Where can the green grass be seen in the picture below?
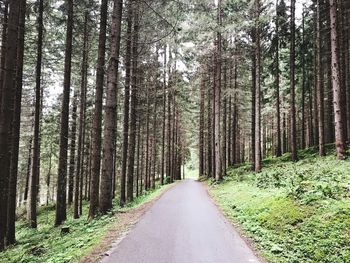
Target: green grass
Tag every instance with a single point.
(294, 212)
(47, 244)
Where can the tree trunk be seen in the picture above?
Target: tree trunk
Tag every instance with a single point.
(210, 113)
(168, 131)
(126, 104)
(61, 206)
(11, 213)
(97, 119)
(303, 89)
(82, 119)
(339, 123)
(147, 140)
(162, 172)
(48, 177)
(133, 105)
(258, 92)
(106, 194)
(139, 142)
(217, 102)
(3, 48)
(253, 93)
(278, 103)
(224, 124)
(201, 126)
(32, 204)
(319, 87)
(154, 144)
(7, 112)
(72, 148)
(293, 141)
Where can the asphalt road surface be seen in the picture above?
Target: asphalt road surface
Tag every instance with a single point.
(183, 226)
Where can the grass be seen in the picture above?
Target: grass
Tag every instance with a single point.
(47, 244)
(294, 212)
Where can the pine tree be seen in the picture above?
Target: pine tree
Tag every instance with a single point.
(61, 205)
(97, 117)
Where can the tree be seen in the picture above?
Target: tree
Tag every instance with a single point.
(339, 123)
(97, 117)
(61, 205)
(126, 103)
(278, 102)
(201, 126)
(110, 112)
(133, 105)
(162, 172)
(319, 86)
(293, 124)
(11, 212)
(303, 89)
(257, 147)
(82, 119)
(3, 47)
(31, 211)
(6, 114)
(72, 155)
(217, 96)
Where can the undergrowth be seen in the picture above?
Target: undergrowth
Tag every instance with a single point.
(294, 212)
(47, 244)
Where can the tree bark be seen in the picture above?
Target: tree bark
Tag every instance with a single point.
(11, 213)
(3, 48)
(133, 105)
(253, 94)
(217, 102)
(258, 91)
(97, 119)
(32, 204)
(319, 87)
(338, 116)
(61, 206)
(82, 119)
(6, 114)
(303, 89)
(126, 104)
(72, 148)
(209, 126)
(278, 102)
(110, 111)
(293, 141)
(201, 126)
(162, 172)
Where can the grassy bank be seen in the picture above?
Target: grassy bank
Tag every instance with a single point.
(47, 244)
(294, 212)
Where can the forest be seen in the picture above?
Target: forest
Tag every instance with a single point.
(109, 110)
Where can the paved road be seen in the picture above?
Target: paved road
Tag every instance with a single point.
(183, 226)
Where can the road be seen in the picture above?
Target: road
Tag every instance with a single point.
(183, 226)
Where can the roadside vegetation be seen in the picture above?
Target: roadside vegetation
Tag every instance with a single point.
(294, 212)
(48, 244)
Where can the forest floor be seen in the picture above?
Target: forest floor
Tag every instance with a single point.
(87, 240)
(293, 212)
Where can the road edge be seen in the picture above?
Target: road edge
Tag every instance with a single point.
(249, 242)
(125, 222)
